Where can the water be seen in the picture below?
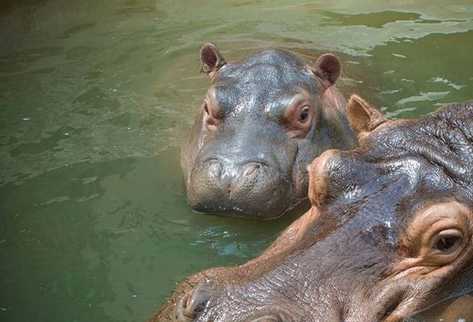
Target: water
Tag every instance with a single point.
(96, 97)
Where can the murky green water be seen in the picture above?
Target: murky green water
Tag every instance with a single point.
(95, 98)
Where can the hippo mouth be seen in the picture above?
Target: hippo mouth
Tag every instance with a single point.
(260, 188)
(251, 189)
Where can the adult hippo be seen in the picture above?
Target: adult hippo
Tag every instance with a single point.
(261, 123)
(388, 237)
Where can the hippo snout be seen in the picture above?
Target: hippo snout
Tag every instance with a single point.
(207, 302)
(250, 187)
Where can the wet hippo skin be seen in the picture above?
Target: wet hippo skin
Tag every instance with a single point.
(261, 123)
(388, 237)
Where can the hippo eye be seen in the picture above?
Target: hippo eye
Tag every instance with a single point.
(210, 120)
(447, 241)
(297, 119)
(303, 114)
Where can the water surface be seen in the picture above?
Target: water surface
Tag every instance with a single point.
(96, 97)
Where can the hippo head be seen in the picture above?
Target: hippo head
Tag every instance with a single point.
(389, 234)
(260, 124)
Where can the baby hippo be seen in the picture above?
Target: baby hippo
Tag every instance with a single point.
(260, 124)
(389, 235)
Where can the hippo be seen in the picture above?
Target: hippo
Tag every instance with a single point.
(388, 236)
(261, 123)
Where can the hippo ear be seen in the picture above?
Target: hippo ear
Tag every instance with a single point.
(362, 116)
(211, 59)
(328, 68)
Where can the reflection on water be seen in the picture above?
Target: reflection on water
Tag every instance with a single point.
(95, 98)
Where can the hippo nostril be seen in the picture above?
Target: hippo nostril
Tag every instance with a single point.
(193, 303)
(249, 171)
(252, 168)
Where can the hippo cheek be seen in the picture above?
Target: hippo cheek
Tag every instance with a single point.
(252, 188)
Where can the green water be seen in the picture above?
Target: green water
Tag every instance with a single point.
(96, 97)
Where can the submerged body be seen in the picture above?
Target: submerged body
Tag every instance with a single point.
(262, 122)
(389, 235)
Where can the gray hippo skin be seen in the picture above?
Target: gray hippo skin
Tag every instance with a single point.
(388, 236)
(261, 123)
